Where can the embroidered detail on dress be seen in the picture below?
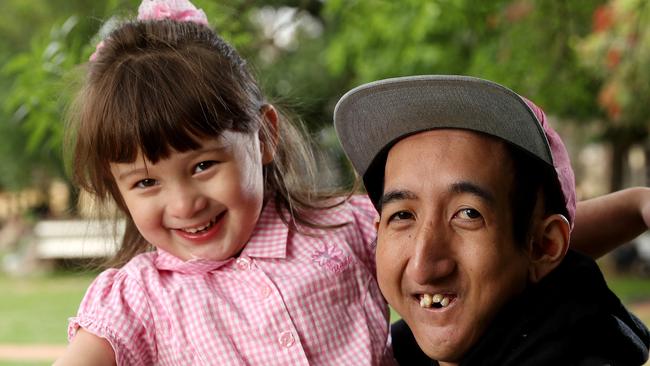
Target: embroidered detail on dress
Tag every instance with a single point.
(332, 258)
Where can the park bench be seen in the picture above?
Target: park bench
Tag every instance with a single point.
(75, 239)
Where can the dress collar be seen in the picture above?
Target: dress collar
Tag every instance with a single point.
(269, 238)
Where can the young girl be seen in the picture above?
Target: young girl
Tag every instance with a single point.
(250, 265)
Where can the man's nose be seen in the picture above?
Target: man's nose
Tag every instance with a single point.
(185, 200)
(431, 258)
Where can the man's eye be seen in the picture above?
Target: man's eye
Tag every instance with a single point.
(400, 215)
(204, 165)
(146, 183)
(468, 214)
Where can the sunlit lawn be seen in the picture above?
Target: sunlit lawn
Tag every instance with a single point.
(35, 310)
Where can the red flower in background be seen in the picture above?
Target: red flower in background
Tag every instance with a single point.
(518, 10)
(613, 58)
(607, 100)
(603, 18)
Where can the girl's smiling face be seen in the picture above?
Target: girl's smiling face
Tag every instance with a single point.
(203, 203)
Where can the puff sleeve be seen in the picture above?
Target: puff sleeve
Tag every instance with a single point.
(116, 308)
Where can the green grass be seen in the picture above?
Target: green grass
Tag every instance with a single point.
(16, 363)
(629, 289)
(36, 309)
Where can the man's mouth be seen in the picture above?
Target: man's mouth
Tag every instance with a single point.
(436, 301)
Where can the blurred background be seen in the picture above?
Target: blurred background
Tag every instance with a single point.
(586, 63)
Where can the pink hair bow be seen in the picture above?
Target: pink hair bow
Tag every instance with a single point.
(179, 10)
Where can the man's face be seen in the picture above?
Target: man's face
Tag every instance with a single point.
(445, 233)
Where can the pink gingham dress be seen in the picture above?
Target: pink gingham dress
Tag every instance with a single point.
(288, 299)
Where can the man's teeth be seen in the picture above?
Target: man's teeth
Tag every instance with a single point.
(197, 229)
(437, 300)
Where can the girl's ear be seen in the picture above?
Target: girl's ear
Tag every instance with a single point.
(548, 246)
(268, 133)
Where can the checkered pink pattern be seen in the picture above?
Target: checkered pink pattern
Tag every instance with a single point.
(290, 298)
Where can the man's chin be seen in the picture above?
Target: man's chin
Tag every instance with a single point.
(442, 346)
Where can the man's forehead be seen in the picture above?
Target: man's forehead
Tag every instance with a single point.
(422, 141)
(449, 156)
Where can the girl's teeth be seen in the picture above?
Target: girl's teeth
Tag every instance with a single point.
(428, 300)
(198, 229)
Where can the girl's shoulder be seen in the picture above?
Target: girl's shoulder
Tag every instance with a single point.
(133, 274)
(357, 209)
(338, 212)
(350, 214)
(362, 204)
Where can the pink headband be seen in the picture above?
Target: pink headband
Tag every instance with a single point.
(178, 10)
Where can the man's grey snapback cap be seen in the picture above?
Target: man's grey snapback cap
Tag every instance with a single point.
(371, 118)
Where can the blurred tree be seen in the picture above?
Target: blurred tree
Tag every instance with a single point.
(618, 52)
(528, 45)
(41, 46)
(306, 53)
(32, 127)
(41, 66)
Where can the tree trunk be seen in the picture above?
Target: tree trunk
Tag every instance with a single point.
(619, 153)
(646, 149)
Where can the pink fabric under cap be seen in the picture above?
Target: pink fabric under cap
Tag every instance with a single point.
(561, 161)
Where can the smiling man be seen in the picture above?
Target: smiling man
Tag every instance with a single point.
(477, 199)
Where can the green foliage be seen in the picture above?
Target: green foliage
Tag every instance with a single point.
(525, 44)
(618, 53)
(378, 39)
(33, 106)
(533, 51)
(533, 46)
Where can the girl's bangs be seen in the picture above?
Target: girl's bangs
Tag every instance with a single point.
(155, 107)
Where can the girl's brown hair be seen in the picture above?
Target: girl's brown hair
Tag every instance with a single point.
(158, 86)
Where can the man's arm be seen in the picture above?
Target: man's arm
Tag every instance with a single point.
(603, 223)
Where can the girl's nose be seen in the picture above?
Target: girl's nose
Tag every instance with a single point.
(185, 201)
(431, 259)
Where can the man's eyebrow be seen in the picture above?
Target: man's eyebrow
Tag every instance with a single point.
(396, 195)
(469, 187)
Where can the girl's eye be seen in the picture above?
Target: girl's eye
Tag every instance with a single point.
(204, 165)
(146, 183)
(400, 216)
(468, 214)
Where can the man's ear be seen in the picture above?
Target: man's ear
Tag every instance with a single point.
(268, 133)
(548, 246)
